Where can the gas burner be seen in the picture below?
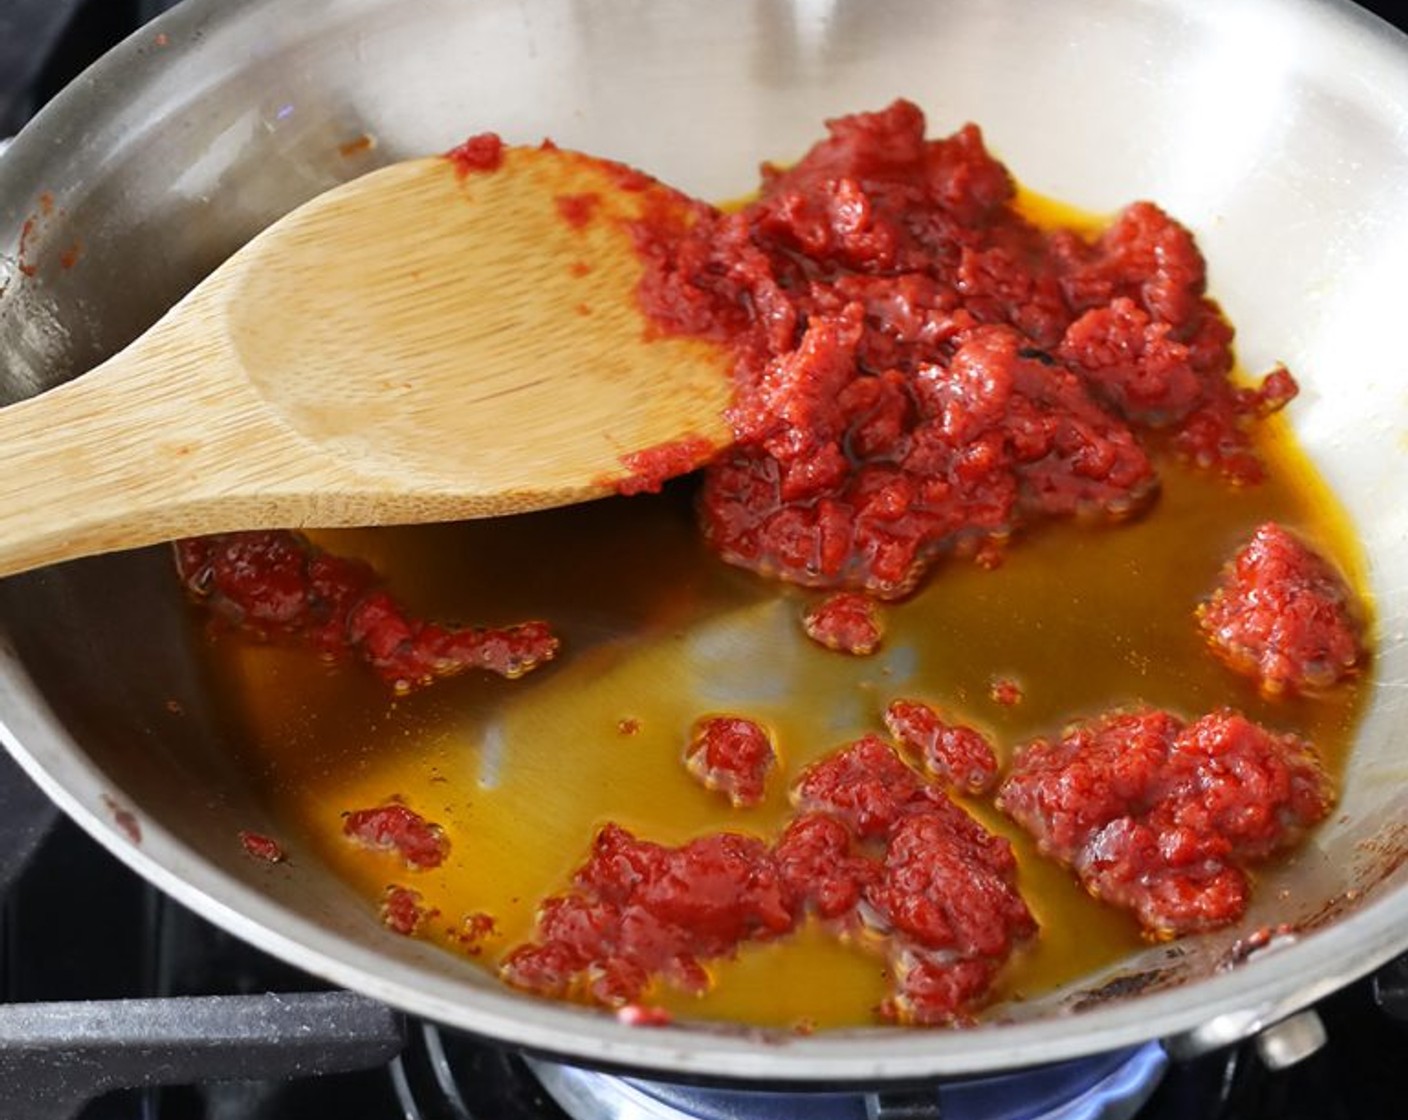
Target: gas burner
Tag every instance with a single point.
(446, 1074)
(1108, 1087)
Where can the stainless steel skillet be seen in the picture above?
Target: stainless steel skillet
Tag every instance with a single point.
(1278, 129)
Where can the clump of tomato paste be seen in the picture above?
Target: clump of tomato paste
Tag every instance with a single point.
(275, 583)
(262, 847)
(923, 371)
(403, 911)
(1160, 816)
(732, 755)
(1283, 616)
(846, 621)
(639, 910)
(934, 881)
(481, 152)
(873, 845)
(954, 753)
(866, 786)
(824, 869)
(395, 827)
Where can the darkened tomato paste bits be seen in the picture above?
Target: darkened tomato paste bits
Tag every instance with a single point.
(1283, 616)
(475, 931)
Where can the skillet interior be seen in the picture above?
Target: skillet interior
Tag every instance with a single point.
(1275, 129)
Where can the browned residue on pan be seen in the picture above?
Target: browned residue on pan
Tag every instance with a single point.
(1129, 984)
(357, 145)
(1382, 856)
(125, 819)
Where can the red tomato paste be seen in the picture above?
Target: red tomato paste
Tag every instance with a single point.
(922, 370)
(638, 910)
(652, 467)
(275, 583)
(484, 152)
(578, 209)
(733, 756)
(847, 621)
(395, 828)
(953, 753)
(403, 912)
(1160, 816)
(874, 845)
(261, 847)
(1283, 616)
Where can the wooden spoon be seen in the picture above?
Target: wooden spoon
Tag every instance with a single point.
(430, 342)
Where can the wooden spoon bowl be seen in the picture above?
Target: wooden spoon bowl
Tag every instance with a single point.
(432, 341)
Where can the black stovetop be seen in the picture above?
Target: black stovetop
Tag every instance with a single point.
(116, 1003)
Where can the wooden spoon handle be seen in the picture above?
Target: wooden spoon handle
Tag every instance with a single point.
(142, 449)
